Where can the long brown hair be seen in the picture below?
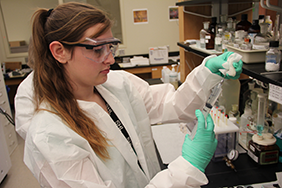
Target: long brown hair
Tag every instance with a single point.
(67, 22)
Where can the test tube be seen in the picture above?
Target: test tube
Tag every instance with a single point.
(261, 112)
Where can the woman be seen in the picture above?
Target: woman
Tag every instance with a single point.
(87, 126)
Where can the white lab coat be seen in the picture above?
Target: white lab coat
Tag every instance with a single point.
(59, 157)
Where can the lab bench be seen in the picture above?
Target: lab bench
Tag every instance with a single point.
(248, 172)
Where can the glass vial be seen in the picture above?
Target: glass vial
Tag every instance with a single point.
(273, 57)
(218, 40)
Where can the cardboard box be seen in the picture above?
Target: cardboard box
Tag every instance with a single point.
(158, 55)
(13, 65)
(17, 43)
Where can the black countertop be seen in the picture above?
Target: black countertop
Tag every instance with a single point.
(248, 172)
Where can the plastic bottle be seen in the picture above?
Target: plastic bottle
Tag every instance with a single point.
(173, 77)
(244, 24)
(245, 120)
(269, 23)
(203, 34)
(230, 94)
(273, 57)
(165, 74)
(218, 40)
(277, 118)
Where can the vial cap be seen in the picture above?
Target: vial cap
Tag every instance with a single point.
(274, 44)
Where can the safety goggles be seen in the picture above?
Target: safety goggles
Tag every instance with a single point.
(98, 50)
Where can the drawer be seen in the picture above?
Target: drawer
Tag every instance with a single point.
(11, 140)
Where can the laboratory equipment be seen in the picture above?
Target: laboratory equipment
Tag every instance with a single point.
(230, 94)
(203, 34)
(5, 161)
(273, 57)
(262, 147)
(209, 104)
(173, 77)
(226, 133)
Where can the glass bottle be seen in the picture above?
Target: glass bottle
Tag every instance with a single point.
(261, 40)
(246, 45)
(210, 40)
(223, 22)
(244, 24)
(273, 57)
(254, 30)
(213, 24)
(234, 111)
(218, 40)
(203, 34)
(228, 35)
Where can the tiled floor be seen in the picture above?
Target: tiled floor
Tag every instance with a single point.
(19, 175)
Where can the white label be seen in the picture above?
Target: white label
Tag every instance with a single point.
(275, 93)
(208, 37)
(218, 40)
(255, 158)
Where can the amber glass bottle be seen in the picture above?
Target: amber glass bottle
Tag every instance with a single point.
(244, 24)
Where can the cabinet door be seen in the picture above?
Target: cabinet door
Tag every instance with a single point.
(157, 72)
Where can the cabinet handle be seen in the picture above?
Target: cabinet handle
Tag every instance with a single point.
(3, 102)
(154, 69)
(1, 94)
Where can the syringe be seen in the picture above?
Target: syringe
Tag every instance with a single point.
(216, 90)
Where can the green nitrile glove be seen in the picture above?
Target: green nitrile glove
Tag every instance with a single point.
(200, 150)
(214, 64)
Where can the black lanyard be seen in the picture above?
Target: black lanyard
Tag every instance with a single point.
(120, 126)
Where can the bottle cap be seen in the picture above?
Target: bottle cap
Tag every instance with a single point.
(255, 22)
(261, 17)
(214, 19)
(244, 17)
(274, 44)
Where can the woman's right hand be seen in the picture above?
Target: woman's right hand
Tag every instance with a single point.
(200, 150)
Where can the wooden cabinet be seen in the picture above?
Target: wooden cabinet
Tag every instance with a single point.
(192, 14)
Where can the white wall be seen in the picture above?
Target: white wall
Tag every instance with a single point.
(159, 31)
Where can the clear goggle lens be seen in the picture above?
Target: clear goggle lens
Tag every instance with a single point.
(100, 53)
(98, 50)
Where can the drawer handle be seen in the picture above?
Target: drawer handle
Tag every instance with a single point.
(154, 69)
(3, 102)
